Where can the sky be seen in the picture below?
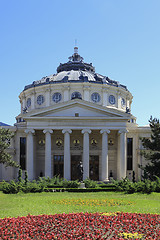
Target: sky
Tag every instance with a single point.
(120, 37)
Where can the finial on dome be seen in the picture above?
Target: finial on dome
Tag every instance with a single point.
(75, 57)
(76, 48)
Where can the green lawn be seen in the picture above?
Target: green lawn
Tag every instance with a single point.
(42, 203)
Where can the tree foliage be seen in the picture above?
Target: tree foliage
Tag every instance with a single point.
(152, 150)
(5, 157)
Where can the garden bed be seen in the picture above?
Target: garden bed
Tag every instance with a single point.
(82, 226)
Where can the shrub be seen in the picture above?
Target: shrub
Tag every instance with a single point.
(51, 182)
(56, 180)
(90, 183)
(121, 185)
(20, 175)
(26, 177)
(1, 185)
(130, 188)
(10, 188)
(71, 184)
(149, 186)
(157, 184)
(33, 187)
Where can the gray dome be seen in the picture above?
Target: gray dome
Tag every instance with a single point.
(75, 70)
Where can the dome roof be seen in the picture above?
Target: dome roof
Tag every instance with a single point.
(75, 70)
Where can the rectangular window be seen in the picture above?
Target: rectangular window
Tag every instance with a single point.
(129, 153)
(23, 153)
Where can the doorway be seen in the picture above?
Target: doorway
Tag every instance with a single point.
(94, 167)
(75, 160)
(58, 161)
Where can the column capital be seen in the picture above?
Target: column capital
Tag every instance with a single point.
(122, 131)
(86, 131)
(30, 131)
(47, 130)
(66, 130)
(105, 131)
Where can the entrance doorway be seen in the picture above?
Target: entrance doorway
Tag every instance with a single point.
(75, 160)
(58, 161)
(94, 167)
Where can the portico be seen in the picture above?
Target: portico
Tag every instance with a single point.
(72, 145)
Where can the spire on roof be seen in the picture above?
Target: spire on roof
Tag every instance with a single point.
(75, 63)
(75, 50)
(76, 57)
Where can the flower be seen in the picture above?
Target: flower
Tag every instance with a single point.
(75, 226)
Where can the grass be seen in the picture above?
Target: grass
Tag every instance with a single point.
(47, 203)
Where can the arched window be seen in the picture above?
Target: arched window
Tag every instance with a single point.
(76, 95)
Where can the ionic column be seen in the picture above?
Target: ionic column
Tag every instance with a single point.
(122, 154)
(86, 133)
(104, 173)
(30, 153)
(67, 154)
(48, 157)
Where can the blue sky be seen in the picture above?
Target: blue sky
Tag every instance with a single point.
(120, 37)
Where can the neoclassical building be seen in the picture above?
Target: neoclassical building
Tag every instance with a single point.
(76, 115)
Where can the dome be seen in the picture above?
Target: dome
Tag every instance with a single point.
(75, 70)
(75, 79)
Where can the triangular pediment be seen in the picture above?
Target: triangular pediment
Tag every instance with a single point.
(77, 108)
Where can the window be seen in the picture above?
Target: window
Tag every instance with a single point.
(76, 95)
(95, 97)
(112, 99)
(23, 153)
(123, 102)
(129, 153)
(40, 99)
(28, 102)
(56, 97)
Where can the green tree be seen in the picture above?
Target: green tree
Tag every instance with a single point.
(152, 150)
(5, 157)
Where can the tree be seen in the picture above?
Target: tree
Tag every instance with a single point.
(152, 150)
(5, 138)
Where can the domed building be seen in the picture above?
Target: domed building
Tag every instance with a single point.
(74, 116)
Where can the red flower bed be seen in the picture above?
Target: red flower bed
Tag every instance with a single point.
(82, 226)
